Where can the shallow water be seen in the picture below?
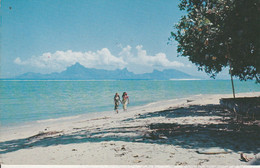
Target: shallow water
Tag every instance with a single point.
(26, 101)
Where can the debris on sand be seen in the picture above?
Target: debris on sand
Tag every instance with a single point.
(213, 151)
(244, 158)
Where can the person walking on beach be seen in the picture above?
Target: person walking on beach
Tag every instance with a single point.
(125, 101)
(117, 101)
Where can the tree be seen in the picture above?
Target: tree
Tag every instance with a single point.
(219, 33)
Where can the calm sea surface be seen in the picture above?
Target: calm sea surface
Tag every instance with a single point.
(26, 101)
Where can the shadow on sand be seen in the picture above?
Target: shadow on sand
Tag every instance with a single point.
(229, 134)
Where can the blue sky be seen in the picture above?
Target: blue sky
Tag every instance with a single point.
(49, 35)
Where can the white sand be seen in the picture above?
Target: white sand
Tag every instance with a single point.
(145, 135)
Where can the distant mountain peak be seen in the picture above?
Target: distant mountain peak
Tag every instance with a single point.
(124, 69)
(77, 65)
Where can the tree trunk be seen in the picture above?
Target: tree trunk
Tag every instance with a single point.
(232, 82)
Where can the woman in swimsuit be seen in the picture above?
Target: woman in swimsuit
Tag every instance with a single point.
(117, 101)
(125, 101)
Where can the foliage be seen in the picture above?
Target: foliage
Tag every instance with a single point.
(217, 33)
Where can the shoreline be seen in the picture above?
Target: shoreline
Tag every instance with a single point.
(27, 109)
(87, 114)
(152, 106)
(107, 112)
(158, 105)
(132, 134)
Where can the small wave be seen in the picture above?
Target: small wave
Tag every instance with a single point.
(184, 79)
(58, 119)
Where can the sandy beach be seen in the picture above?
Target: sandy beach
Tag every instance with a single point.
(188, 131)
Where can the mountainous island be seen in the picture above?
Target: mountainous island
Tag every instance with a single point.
(79, 72)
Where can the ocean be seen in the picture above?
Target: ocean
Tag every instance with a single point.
(29, 101)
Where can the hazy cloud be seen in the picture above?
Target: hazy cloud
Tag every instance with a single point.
(142, 62)
(138, 61)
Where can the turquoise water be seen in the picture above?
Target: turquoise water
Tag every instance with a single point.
(26, 101)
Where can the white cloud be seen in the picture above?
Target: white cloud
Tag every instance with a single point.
(142, 62)
(137, 62)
